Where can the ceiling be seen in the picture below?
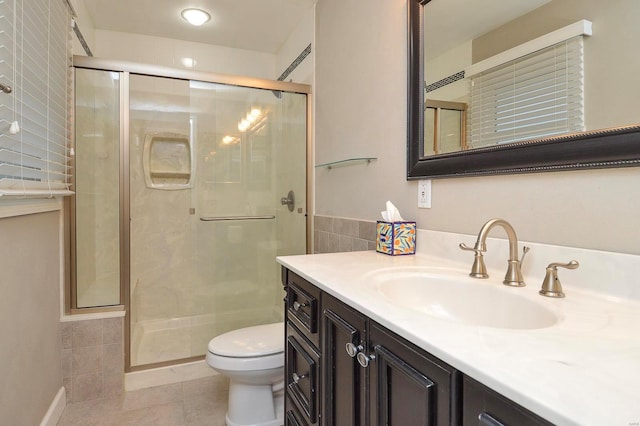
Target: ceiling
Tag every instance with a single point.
(260, 25)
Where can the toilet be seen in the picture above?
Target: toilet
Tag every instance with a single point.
(253, 360)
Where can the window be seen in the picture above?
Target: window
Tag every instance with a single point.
(534, 96)
(35, 62)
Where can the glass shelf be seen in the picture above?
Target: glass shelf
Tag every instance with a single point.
(347, 162)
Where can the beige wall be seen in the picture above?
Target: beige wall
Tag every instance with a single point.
(30, 362)
(299, 39)
(360, 107)
(361, 66)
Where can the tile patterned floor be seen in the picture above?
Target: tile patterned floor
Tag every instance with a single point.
(192, 403)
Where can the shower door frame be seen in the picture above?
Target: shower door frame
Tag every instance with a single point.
(125, 69)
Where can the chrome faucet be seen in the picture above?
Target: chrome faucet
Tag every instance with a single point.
(513, 276)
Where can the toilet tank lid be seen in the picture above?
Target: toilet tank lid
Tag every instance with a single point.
(250, 342)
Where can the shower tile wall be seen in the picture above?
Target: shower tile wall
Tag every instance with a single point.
(93, 358)
(334, 234)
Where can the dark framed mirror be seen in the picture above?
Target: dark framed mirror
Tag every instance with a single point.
(613, 139)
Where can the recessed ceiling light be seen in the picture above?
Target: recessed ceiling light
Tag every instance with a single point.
(195, 17)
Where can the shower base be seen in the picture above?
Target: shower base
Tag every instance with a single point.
(154, 341)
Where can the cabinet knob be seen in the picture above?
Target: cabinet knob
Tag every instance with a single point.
(297, 305)
(352, 350)
(296, 378)
(364, 359)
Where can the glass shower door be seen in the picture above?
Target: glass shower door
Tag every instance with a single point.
(209, 165)
(96, 203)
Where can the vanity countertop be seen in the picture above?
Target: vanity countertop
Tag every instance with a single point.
(583, 370)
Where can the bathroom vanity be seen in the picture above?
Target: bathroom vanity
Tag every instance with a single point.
(358, 353)
(361, 373)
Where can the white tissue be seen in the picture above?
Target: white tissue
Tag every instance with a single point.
(391, 214)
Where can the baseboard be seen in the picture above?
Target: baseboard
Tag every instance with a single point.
(167, 375)
(55, 410)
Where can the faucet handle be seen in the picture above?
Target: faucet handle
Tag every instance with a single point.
(525, 250)
(478, 269)
(571, 265)
(465, 247)
(551, 286)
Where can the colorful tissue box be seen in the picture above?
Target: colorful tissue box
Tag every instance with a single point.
(396, 238)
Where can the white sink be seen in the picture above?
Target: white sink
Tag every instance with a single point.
(452, 295)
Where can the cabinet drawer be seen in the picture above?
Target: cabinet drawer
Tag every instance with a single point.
(302, 375)
(302, 306)
(485, 407)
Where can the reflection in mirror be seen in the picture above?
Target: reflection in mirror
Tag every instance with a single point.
(462, 34)
(444, 126)
(525, 70)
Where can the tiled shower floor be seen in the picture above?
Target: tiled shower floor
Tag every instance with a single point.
(196, 402)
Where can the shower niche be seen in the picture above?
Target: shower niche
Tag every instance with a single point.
(167, 161)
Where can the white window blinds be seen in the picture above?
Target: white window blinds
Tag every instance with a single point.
(537, 95)
(35, 62)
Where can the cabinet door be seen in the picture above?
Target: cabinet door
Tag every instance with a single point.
(344, 381)
(408, 387)
(485, 407)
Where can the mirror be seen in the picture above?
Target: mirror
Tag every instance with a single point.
(452, 42)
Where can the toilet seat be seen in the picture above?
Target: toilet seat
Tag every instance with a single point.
(249, 342)
(245, 364)
(252, 348)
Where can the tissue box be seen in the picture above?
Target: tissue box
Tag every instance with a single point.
(396, 238)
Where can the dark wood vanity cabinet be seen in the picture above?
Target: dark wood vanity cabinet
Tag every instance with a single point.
(381, 379)
(344, 369)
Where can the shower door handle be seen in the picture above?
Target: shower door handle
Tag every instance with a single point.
(288, 201)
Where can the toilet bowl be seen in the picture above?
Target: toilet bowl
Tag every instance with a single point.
(253, 360)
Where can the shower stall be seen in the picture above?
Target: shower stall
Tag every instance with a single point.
(188, 185)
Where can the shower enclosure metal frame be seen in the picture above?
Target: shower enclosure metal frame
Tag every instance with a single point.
(125, 69)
